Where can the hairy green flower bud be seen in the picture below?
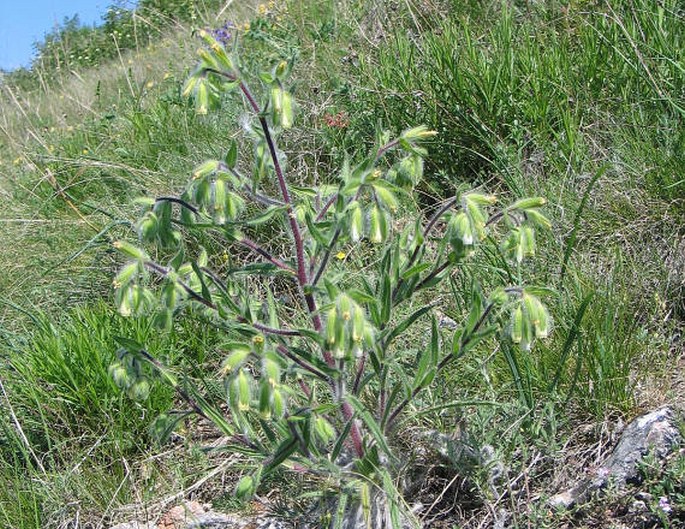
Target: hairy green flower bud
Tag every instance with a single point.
(139, 390)
(202, 98)
(478, 218)
(205, 169)
(131, 251)
(418, 133)
(481, 199)
(410, 171)
(356, 221)
(278, 403)
(324, 430)
(528, 203)
(331, 324)
(148, 226)
(516, 331)
(234, 205)
(265, 399)
(127, 273)
(462, 229)
(208, 60)
(238, 354)
(527, 241)
(190, 85)
(378, 225)
(219, 201)
(245, 488)
(244, 390)
(386, 196)
(272, 369)
(287, 113)
(538, 219)
(119, 374)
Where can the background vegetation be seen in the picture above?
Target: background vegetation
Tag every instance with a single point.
(581, 102)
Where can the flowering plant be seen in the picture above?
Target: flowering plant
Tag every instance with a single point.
(316, 382)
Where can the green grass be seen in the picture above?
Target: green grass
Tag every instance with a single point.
(527, 99)
(64, 411)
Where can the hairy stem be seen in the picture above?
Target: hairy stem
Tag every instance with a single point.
(294, 227)
(249, 243)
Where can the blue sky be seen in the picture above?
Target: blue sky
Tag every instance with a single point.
(23, 22)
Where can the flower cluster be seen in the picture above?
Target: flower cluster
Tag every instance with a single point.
(223, 33)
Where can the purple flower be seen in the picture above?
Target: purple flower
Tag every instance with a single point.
(223, 33)
(664, 505)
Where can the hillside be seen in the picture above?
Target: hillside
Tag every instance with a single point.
(580, 103)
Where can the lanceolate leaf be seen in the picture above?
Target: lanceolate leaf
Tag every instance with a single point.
(372, 425)
(405, 324)
(265, 216)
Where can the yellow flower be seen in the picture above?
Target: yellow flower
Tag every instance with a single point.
(17, 160)
(246, 26)
(85, 151)
(167, 75)
(261, 9)
(149, 84)
(51, 148)
(340, 255)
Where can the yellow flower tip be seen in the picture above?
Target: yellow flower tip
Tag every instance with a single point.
(167, 75)
(85, 151)
(261, 9)
(17, 160)
(130, 61)
(246, 26)
(258, 339)
(340, 255)
(149, 84)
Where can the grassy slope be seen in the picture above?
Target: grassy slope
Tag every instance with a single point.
(527, 100)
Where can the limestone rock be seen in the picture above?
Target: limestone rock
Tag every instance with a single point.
(654, 432)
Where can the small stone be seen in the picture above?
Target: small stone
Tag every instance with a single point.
(638, 506)
(654, 432)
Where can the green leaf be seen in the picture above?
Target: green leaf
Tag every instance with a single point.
(265, 216)
(340, 513)
(314, 231)
(232, 155)
(571, 241)
(540, 291)
(283, 452)
(415, 270)
(386, 298)
(201, 276)
(341, 440)
(361, 297)
(131, 346)
(570, 338)
(406, 323)
(372, 425)
(164, 425)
